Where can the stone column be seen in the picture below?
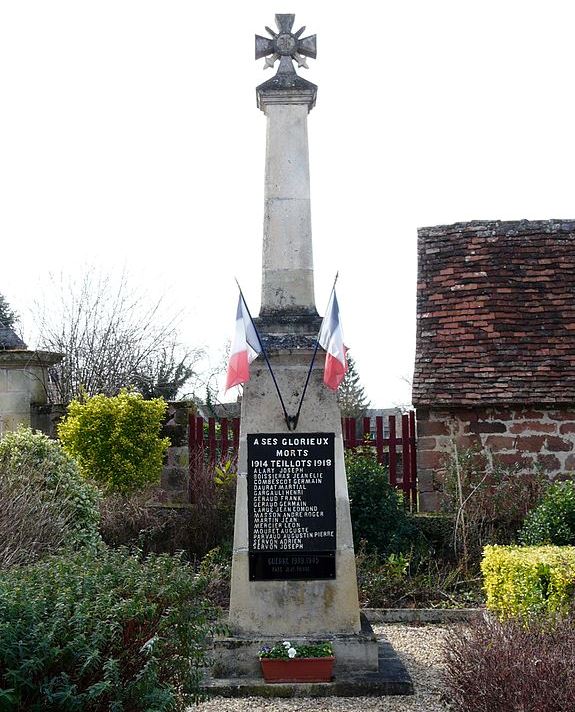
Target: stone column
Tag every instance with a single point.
(287, 281)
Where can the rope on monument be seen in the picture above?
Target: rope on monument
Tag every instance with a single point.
(286, 416)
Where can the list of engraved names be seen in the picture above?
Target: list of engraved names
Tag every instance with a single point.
(291, 492)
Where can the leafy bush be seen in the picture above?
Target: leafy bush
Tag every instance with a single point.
(102, 631)
(44, 499)
(553, 520)
(503, 666)
(526, 581)
(377, 512)
(116, 440)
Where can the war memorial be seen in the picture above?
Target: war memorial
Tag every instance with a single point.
(293, 569)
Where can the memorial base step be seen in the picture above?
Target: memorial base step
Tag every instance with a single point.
(391, 678)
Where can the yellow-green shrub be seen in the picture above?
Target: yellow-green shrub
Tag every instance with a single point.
(528, 580)
(116, 440)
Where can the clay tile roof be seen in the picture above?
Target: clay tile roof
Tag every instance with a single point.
(496, 313)
(9, 340)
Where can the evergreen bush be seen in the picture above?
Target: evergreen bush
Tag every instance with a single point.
(378, 514)
(116, 440)
(43, 481)
(102, 631)
(553, 520)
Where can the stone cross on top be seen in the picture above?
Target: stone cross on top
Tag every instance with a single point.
(286, 46)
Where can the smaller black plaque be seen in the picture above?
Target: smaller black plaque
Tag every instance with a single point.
(291, 565)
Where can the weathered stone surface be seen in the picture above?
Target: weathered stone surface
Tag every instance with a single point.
(529, 441)
(23, 384)
(307, 607)
(287, 282)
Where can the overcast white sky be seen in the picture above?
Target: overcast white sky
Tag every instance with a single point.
(130, 138)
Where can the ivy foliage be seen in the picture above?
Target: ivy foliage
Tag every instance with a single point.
(553, 520)
(116, 440)
(102, 631)
(527, 581)
(28, 457)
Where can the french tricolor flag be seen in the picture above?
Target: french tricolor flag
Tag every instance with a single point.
(331, 339)
(245, 347)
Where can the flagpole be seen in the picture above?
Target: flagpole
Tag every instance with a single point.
(296, 417)
(286, 416)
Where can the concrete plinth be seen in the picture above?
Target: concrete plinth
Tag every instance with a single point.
(237, 656)
(390, 678)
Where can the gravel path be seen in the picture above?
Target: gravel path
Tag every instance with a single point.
(419, 648)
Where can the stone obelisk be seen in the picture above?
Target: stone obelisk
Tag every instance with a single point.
(293, 570)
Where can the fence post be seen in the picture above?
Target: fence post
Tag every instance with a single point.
(379, 438)
(406, 458)
(392, 452)
(366, 430)
(413, 453)
(212, 439)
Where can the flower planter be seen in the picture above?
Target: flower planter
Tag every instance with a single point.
(297, 669)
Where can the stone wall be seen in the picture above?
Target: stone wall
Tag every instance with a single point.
(174, 486)
(522, 436)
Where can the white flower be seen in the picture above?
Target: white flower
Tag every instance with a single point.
(292, 652)
(287, 644)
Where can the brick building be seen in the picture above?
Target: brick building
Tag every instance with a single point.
(495, 354)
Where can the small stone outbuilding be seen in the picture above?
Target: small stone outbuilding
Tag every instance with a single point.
(495, 353)
(23, 383)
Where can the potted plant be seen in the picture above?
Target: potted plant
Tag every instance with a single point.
(297, 662)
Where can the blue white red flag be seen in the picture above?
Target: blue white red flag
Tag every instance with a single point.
(331, 339)
(245, 347)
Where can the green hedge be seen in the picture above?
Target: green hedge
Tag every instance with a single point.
(525, 581)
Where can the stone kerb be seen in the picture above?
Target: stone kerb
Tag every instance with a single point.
(526, 437)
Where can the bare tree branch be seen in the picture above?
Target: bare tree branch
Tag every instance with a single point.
(112, 337)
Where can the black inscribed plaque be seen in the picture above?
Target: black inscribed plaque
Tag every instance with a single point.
(291, 506)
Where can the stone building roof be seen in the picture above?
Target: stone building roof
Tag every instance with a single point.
(10, 340)
(496, 313)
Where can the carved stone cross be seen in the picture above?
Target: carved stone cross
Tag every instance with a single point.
(286, 46)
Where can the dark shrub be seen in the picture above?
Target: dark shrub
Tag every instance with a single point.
(489, 502)
(553, 520)
(377, 512)
(102, 631)
(436, 530)
(503, 667)
(195, 528)
(216, 568)
(44, 500)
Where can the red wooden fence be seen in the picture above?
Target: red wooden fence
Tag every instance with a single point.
(219, 441)
(398, 453)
